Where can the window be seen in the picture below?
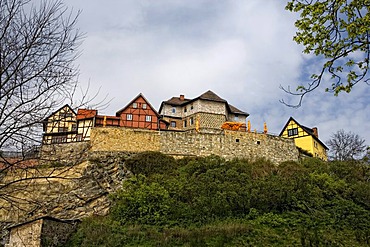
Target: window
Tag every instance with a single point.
(62, 129)
(184, 123)
(191, 121)
(173, 109)
(191, 107)
(79, 137)
(148, 118)
(144, 106)
(185, 110)
(173, 124)
(129, 117)
(58, 139)
(236, 117)
(74, 127)
(293, 132)
(134, 105)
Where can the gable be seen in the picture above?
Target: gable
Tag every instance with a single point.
(139, 102)
(293, 129)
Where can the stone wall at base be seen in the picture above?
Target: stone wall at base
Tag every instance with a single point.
(228, 144)
(65, 192)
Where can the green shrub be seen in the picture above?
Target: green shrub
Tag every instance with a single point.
(148, 163)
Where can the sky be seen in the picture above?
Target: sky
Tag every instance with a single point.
(241, 50)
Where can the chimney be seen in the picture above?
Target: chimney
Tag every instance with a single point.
(315, 132)
(182, 97)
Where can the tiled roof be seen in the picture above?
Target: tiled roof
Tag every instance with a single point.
(86, 113)
(176, 101)
(234, 110)
(209, 95)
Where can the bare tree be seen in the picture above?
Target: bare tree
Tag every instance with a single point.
(39, 44)
(346, 146)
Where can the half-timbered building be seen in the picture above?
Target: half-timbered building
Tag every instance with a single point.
(305, 138)
(60, 126)
(139, 113)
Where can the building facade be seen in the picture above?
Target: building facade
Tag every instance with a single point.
(60, 126)
(140, 114)
(206, 112)
(64, 125)
(305, 138)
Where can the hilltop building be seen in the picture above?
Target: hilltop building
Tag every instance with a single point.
(139, 113)
(65, 125)
(305, 138)
(205, 112)
(60, 126)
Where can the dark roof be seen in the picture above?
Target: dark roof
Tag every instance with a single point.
(176, 101)
(209, 95)
(132, 101)
(234, 110)
(306, 129)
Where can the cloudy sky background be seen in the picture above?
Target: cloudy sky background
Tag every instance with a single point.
(241, 50)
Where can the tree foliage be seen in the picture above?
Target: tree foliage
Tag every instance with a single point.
(338, 33)
(213, 202)
(346, 146)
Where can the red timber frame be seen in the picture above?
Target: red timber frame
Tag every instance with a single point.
(140, 114)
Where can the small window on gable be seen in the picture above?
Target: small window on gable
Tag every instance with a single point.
(129, 117)
(134, 105)
(191, 107)
(173, 124)
(236, 117)
(144, 106)
(148, 118)
(173, 109)
(293, 132)
(185, 110)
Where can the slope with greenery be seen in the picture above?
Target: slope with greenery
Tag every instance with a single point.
(214, 202)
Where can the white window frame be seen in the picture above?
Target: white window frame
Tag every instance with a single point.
(148, 118)
(129, 117)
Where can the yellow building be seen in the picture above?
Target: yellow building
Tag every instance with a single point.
(305, 138)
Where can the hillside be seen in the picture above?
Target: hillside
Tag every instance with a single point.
(213, 202)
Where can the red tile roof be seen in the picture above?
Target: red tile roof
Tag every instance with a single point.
(86, 113)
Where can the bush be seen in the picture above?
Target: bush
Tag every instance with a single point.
(148, 163)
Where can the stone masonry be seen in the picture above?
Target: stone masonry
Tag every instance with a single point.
(227, 144)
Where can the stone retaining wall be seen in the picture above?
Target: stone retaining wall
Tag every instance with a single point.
(226, 143)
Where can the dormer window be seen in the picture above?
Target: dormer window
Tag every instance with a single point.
(293, 132)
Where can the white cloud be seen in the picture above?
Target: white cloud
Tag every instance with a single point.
(242, 50)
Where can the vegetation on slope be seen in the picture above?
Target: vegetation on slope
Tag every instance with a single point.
(213, 202)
